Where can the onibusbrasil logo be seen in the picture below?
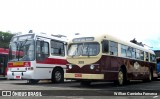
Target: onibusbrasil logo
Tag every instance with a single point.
(21, 93)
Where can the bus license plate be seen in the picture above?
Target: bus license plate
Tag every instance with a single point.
(78, 75)
(17, 77)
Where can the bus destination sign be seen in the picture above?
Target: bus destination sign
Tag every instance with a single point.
(84, 39)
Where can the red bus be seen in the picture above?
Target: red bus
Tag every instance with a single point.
(3, 62)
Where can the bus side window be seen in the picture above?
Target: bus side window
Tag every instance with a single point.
(152, 58)
(38, 50)
(146, 56)
(42, 50)
(45, 49)
(142, 55)
(133, 53)
(57, 48)
(105, 48)
(113, 48)
(123, 50)
(129, 52)
(138, 54)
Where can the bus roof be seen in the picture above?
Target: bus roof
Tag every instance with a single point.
(45, 35)
(101, 37)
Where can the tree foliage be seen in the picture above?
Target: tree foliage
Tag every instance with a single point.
(5, 38)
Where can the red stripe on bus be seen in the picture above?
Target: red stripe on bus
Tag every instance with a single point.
(53, 61)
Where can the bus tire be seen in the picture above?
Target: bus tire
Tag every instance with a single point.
(85, 83)
(122, 80)
(150, 76)
(57, 75)
(32, 81)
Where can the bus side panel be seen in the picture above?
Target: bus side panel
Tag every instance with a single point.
(109, 66)
(135, 69)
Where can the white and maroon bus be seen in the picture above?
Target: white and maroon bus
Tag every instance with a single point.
(37, 56)
(106, 58)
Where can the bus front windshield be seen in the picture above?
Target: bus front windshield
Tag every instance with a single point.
(84, 49)
(22, 50)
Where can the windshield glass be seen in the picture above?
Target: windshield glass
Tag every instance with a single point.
(84, 49)
(22, 50)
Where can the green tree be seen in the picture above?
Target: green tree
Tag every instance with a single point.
(5, 38)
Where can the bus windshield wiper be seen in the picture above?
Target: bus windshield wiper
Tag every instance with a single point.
(20, 46)
(76, 52)
(88, 50)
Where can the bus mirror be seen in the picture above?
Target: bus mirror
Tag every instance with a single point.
(105, 47)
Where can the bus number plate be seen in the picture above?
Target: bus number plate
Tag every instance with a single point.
(78, 75)
(17, 77)
(80, 62)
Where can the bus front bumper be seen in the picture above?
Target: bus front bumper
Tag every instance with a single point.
(20, 75)
(84, 76)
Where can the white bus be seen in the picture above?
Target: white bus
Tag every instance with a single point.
(37, 56)
(106, 58)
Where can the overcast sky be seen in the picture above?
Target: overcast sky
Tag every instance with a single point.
(126, 19)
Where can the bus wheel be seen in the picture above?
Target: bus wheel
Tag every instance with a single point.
(32, 81)
(57, 76)
(150, 77)
(85, 83)
(121, 77)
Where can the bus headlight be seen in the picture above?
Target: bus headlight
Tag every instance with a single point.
(70, 66)
(92, 67)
